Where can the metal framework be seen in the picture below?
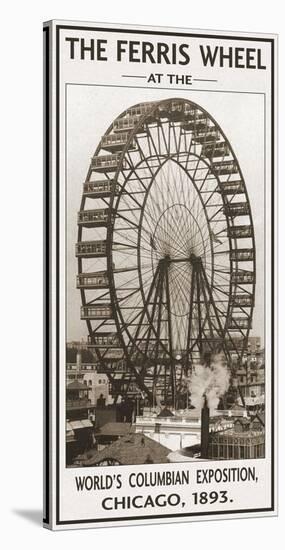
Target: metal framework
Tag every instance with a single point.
(166, 253)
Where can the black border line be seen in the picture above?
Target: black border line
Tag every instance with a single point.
(189, 35)
(57, 521)
(272, 271)
(46, 272)
(165, 33)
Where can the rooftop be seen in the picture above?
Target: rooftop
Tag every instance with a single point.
(129, 449)
(232, 434)
(165, 413)
(75, 385)
(259, 416)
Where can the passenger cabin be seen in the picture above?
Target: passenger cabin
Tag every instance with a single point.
(164, 109)
(111, 354)
(242, 277)
(205, 134)
(93, 218)
(240, 231)
(199, 124)
(239, 323)
(217, 149)
(177, 105)
(96, 311)
(141, 109)
(176, 111)
(95, 280)
(126, 124)
(232, 187)
(99, 189)
(90, 249)
(106, 163)
(176, 116)
(242, 255)
(116, 142)
(103, 339)
(236, 209)
(196, 117)
(189, 112)
(241, 300)
(225, 167)
(180, 108)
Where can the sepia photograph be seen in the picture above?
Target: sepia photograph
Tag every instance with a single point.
(165, 304)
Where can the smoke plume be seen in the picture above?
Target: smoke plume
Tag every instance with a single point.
(212, 381)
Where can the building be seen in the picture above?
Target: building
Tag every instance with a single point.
(98, 384)
(78, 404)
(244, 439)
(79, 415)
(254, 343)
(90, 375)
(133, 448)
(77, 345)
(232, 444)
(250, 377)
(228, 438)
(178, 429)
(172, 432)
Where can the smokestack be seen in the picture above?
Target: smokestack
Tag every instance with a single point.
(78, 360)
(205, 426)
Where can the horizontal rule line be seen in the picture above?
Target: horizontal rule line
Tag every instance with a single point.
(132, 76)
(204, 80)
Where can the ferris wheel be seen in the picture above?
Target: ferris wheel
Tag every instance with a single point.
(166, 252)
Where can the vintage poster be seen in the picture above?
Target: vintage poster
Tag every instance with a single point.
(159, 200)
